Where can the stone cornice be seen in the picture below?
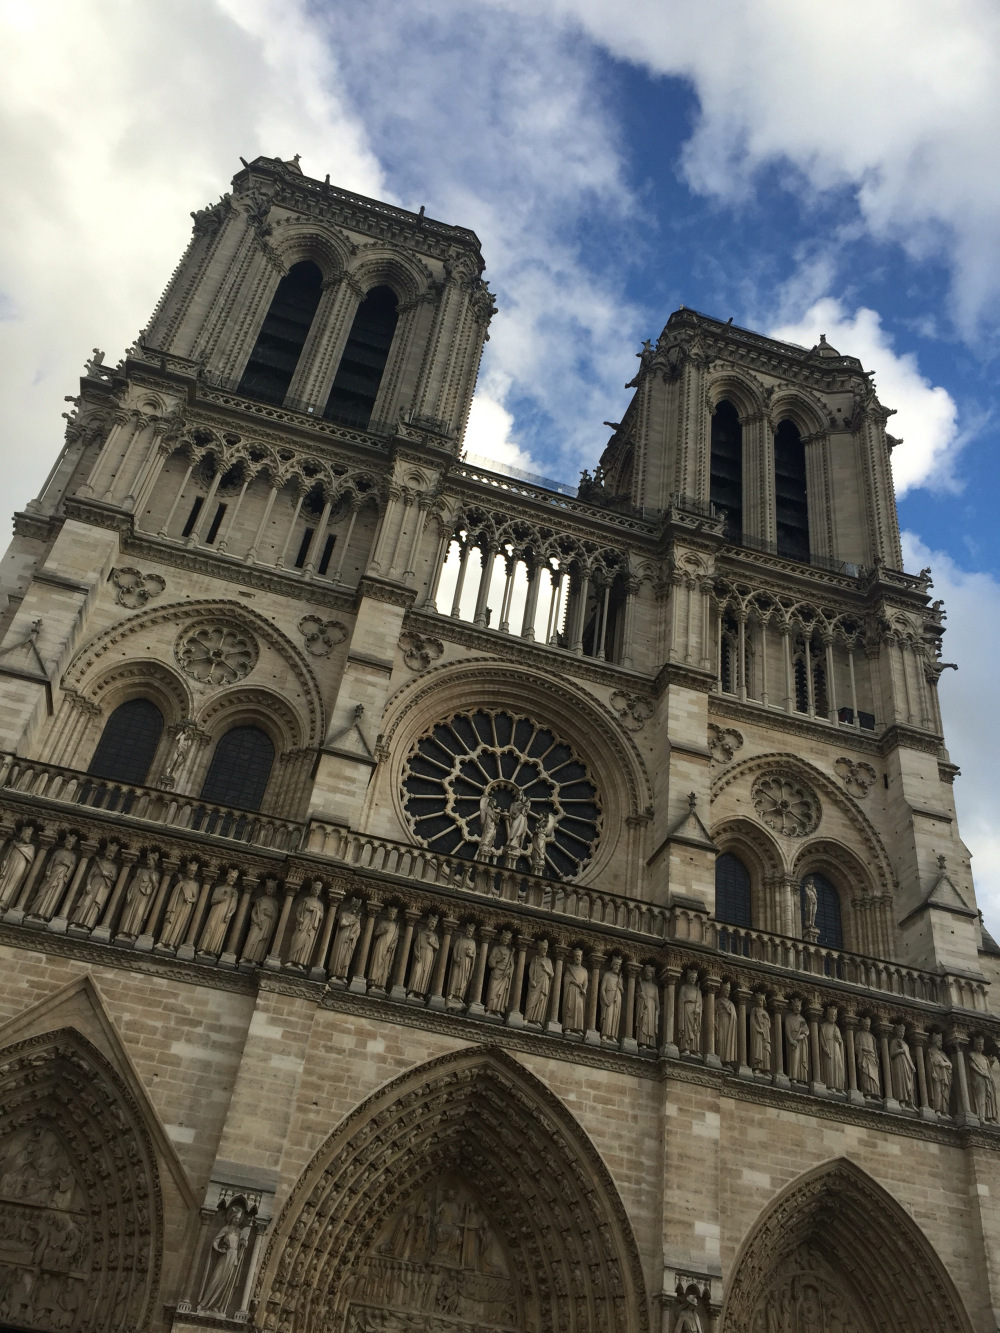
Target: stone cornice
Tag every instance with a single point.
(902, 736)
(796, 724)
(685, 674)
(383, 590)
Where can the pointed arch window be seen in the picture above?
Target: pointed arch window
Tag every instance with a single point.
(726, 491)
(283, 334)
(128, 743)
(790, 501)
(732, 891)
(240, 769)
(828, 918)
(359, 374)
(809, 670)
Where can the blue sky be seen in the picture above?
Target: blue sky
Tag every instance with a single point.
(803, 169)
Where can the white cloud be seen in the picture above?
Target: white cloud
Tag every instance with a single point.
(926, 417)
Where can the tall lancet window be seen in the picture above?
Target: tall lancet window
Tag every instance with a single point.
(359, 375)
(727, 468)
(791, 509)
(283, 334)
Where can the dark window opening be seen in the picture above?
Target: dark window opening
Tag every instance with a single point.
(304, 545)
(820, 702)
(192, 518)
(729, 656)
(727, 468)
(865, 720)
(732, 891)
(240, 768)
(213, 530)
(359, 374)
(828, 923)
(801, 686)
(283, 334)
(128, 743)
(791, 509)
(324, 560)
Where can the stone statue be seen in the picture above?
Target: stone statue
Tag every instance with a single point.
(810, 906)
(760, 1035)
(501, 965)
(797, 1037)
(463, 960)
(544, 828)
(16, 864)
(867, 1059)
(517, 830)
(490, 815)
(903, 1068)
(384, 947)
(540, 974)
(61, 865)
(725, 1025)
(688, 1319)
(140, 895)
(180, 752)
(831, 1053)
(222, 905)
(610, 995)
(308, 920)
(97, 887)
(262, 918)
(939, 1075)
(689, 1014)
(647, 1007)
(179, 908)
(225, 1254)
(574, 996)
(425, 950)
(981, 1085)
(346, 940)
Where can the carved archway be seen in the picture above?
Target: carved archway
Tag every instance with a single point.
(835, 1246)
(80, 1205)
(476, 1125)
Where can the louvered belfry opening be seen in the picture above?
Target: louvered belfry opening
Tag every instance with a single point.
(727, 468)
(359, 375)
(283, 334)
(791, 507)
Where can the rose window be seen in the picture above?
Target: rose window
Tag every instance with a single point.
(786, 805)
(216, 654)
(498, 788)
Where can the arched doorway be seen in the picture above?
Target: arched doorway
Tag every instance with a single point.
(463, 1192)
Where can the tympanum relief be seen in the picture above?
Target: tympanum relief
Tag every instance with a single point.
(805, 1296)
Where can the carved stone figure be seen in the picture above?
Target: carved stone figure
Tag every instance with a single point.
(178, 755)
(760, 1035)
(981, 1085)
(140, 895)
(810, 906)
(647, 1007)
(501, 965)
(225, 1254)
(867, 1059)
(262, 918)
(517, 830)
(425, 951)
(308, 920)
(16, 864)
(540, 838)
(384, 947)
(490, 815)
(688, 1319)
(463, 960)
(831, 1053)
(903, 1068)
(797, 1037)
(610, 995)
(574, 996)
(179, 908)
(689, 1004)
(97, 887)
(346, 940)
(61, 865)
(222, 905)
(540, 973)
(939, 1075)
(725, 1025)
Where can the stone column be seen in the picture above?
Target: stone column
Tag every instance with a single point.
(854, 1093)
(883, 1029)
(436, 1000)
(272, 495)
(628, 1041)
(146, 939)
(531, 601)
(711, 989)
(919, 1043)
(669, 978)
(515, 1018)
(475, 1006)
(358, 983)
(334, 894)
(60, 918)
(488, 557)
(102, 931)
(398, 992)
(186, 1302)
(591, 1034)
(248, 884)
(778, 1006)
(273, 960)
(957, 1042)
(814, 1012)
(553, 1024)
(743, 1069)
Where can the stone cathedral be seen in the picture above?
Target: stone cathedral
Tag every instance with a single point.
(436, 899)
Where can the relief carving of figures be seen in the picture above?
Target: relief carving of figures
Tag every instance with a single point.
(221, 908)
(262, 918)
(647, 1007)
(61, 865)
(903, 1068)
(867, 1059)
(981, 1085)
(97, 887)
(517, 830)
(463, 959)
(425, 951)
(501, 965)
(939, 1075)
(544, 828)
(16, 864)
(348, 933)
(308, 920)
(574, 996)
(831, 1053)
(760, 1035)
(610, 995)
(384, 947)
(225, 1254)
(689, 1004)
(140, 895)
(39, 1172)
(797, 1036)
(448, 1233)
(725, 1025)
(179, 908)
(540, 973)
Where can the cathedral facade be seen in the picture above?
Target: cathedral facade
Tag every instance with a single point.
(435, 899)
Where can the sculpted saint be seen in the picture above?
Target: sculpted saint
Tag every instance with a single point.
(540, 973)
(797, 1036)
(179, 908)
(760, 1035)
(97, 887)
(903, 1068)
(688, 1319)
(425, 950)
(867, 1059)
(831, 1052)
(222, 905)
(501, 965)
(810, 903)
(348, 933)
(180, 752)
(539, 841)
(489, 821)
(574, 996)
(517, 830)
(140, 895)
(262, 918)
(689, 1014)
(463, 959)
(647, 1007)
(981, 1085)
(725, 1025)
(16, 863)
(939, 1075)
(384, 947)
(610, 996)
(226, 1251)
(308, 920)
(57, 875)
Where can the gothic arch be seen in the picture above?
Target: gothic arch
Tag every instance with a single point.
(835, 1236)
(759, 853)
(296, 238)
(405, 274)
(743, 390)
(478, 1114)
(799, 407)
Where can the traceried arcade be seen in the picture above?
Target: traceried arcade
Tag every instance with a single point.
(502, 790)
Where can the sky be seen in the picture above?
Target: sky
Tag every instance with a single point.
(804, 169)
